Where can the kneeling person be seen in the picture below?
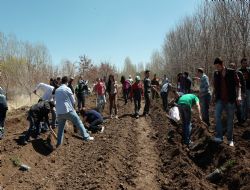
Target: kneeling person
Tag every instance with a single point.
(94, 119)
(36, 114)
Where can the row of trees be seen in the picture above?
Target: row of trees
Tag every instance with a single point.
(23, 65)
(217, 29)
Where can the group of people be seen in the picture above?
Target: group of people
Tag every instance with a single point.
(231, 92)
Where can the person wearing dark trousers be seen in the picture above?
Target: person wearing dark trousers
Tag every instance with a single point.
(94, 120)
(3, 111)
(164, 95)
(246, 97)
(187, 83)
(126, 86)
(37, 113)
(80, 91)
(240, 114)
(155, 82)
(136, 93)
(204, 94)
(185, 104)
(147, 92)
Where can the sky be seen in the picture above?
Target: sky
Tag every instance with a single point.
(104, 30)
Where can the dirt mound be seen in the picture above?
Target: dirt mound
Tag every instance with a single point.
(144, 153)
(188, 168)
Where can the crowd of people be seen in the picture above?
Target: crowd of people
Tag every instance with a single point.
(230, 92)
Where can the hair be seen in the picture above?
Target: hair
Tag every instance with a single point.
(109, 83)
(186, 73)
(200, 70)
(243, 59)
(218, 60)
(147, 71)
(83, 111)
(64, 80)
(122, 79)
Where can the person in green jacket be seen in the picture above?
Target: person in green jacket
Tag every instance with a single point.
(185, 104)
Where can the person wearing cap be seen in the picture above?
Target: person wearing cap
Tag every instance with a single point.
(37, 113)
(3, 111)
(136, 93)
(226, 92)
(185, 103)
(130, 79)
(204, 94)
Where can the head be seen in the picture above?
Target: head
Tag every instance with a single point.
(129, 76)
(218, 63)
(98, 80)
(71, 79)
(233, 66)
(64, 80)
(51, 81)
(200, 72)
(164, 76)
(176, 94)
(111, 78)
(51, 104)
(58, 79)
(137, 79)
(147, 73)
(243, 62)
(185, 74)
(83, 111)
(123, 79)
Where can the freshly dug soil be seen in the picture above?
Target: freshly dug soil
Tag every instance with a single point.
(143, 153)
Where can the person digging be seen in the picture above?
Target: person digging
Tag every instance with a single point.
(37, 113)
(185, 104)
(94, 120)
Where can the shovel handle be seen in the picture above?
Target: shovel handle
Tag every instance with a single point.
(53, 132)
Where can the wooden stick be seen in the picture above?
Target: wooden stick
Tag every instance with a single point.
(53, 132)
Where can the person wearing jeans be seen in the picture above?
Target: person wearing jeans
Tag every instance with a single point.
(65, 111)
(226, 92)
(204, 94)
(185, 104)
(246, 97)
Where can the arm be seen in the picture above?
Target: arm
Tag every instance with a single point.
(197, 105)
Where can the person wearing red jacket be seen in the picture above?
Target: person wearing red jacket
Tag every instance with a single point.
(136, 93)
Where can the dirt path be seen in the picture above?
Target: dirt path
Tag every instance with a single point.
(148, 158)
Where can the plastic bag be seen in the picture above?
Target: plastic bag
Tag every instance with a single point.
(174, 114)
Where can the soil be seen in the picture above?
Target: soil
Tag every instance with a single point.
(143, 153)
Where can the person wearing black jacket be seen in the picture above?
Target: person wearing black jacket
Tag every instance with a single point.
(37, 113)
(3, 111)
(246, 100)
(226, 93)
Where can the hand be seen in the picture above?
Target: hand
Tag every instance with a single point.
(34, 91)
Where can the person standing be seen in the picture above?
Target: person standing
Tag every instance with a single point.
(81, 90)
(226, 92)
(204, 94)
(70, 85)
(164, 94)
(3, 111)
(136, 93)
(126, 86)
(155, 82)
(147, 92)
(246, 99)
(112, 90)
(100, 89)
(240, 114)
(65, 111)
(187, 83)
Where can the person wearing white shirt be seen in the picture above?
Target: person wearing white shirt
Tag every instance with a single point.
(47, 90)
(65, 102)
